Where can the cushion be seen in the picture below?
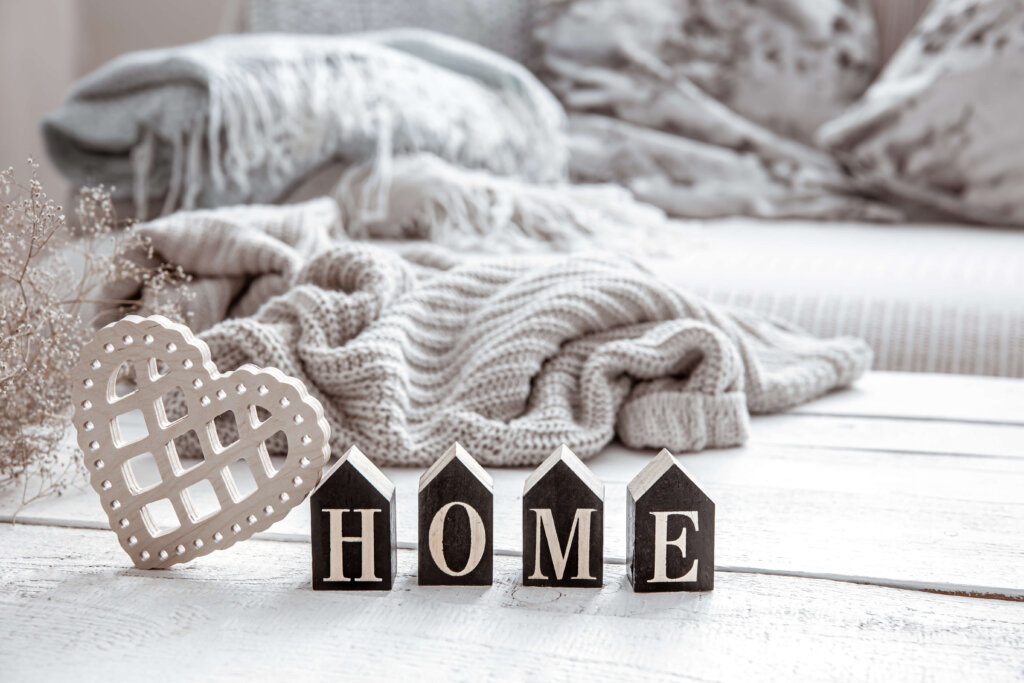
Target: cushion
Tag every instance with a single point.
(941, 125)
(710, 108)
(635, 59)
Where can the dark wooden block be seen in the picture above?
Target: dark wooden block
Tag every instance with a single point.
(352, 527)
(456, 522)
(563, 524)
(670, 529)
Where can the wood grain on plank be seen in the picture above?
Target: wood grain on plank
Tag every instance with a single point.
(922, 396)
(941, 522)
(236, 614)
(889, 434)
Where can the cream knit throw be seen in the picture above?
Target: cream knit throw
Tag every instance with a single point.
(511, 357)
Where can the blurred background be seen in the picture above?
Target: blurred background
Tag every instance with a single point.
(852, 166)
(46, 44)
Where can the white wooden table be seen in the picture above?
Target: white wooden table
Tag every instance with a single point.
(877, 533)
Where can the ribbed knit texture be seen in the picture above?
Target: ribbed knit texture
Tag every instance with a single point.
(511, 357)
(926, 298)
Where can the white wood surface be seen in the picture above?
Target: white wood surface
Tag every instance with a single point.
(961, 398)
(893, 435)
(855, 489)
(250, 613)
(878, 517)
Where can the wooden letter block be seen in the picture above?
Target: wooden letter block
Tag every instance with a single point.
(670, 529)
(352, 527)
(456, 522)
(563, 524)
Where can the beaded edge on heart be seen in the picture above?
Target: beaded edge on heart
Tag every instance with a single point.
(228, 525)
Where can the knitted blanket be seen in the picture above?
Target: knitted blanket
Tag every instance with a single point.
(411, 351)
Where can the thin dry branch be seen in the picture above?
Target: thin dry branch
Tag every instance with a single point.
(43, 324)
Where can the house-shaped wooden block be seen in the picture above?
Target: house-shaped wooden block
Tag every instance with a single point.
(352, 527)
(563, 524)
(670, 529)
(456, 522)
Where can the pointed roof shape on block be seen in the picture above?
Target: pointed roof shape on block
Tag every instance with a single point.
(367, 469)
(582, 472)
(460, 454)
(655, 470)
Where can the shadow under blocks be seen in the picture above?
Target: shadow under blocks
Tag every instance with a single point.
(670, 529)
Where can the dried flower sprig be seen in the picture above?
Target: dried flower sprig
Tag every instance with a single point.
(52, 282)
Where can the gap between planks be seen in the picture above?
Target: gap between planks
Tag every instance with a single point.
(889, 435)
(905, 533)
(959, 590)
(905, 418)
(925, 397)
(869, 449)
(213, 619)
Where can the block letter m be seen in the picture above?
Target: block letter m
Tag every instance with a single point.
(546, 527)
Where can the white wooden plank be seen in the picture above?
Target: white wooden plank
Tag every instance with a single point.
(949, 523)
(889, 434)
(72, 610)
(923, 396)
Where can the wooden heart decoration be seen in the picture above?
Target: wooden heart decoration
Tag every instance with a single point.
(169, 361)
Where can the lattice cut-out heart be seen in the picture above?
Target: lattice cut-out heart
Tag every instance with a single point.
(167, 359)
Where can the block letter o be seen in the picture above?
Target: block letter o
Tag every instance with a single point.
(477, 539)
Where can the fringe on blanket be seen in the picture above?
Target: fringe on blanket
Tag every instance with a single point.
(423, 197)
(246, 130)
(268, 113)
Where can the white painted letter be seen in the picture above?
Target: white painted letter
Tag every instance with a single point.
(546, 526)
(477, 539)
(661, 544)
(365, 539)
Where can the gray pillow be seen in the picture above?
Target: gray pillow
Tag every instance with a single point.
(788, 65)
(944, 123)
(708, 108)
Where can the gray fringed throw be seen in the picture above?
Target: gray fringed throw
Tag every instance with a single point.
(243, 118)
(252, 118)
(431, 137)
(512, 356)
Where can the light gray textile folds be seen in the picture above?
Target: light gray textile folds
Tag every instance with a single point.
(710, 108)
(942, 124)
(243, 118)
(511, 356)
